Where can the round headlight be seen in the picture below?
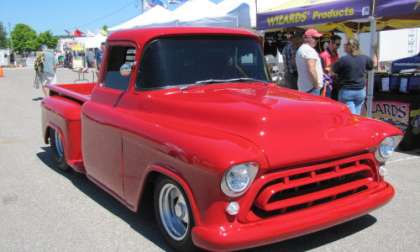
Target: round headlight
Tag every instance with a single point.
(238, 178)
(386, 148)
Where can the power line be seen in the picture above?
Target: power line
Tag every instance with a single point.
(107, 15)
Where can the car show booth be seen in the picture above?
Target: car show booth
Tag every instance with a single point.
(396, 100)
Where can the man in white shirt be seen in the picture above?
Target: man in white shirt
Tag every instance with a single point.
(308, 63)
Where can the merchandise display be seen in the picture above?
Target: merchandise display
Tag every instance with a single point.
(397, 101)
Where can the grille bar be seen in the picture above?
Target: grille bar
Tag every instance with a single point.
(287, 183)
(299, 188)
(311, 197)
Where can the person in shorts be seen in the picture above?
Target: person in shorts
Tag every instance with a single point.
(48, 69)
(308, 63)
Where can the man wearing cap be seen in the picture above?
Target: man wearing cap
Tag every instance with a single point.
(308, 64)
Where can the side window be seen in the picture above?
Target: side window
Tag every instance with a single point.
(247, 59)
(118, 55)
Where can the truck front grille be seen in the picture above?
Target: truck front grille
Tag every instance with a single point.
(300, 188)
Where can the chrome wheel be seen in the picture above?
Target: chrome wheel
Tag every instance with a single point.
(58, 144)
(173, 211)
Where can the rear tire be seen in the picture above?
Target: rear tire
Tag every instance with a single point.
(173, 214)
(57, 148)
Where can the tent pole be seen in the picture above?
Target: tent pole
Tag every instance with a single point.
(371, 74)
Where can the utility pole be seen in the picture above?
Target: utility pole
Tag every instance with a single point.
(140, 5)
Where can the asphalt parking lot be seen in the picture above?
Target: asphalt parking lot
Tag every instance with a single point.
(42, 209)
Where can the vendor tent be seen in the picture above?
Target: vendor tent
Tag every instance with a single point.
(228, 13)
(244, 10)
(396, 14)
(401, 9)
(292, 13)
(202, 13)
(406, 63)
(94, 41)
(154, 16)
(196, 10)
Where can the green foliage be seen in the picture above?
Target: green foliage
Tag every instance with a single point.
(24, 38)
(3, 36)
(47, 38)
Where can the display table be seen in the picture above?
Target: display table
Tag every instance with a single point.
(401, 109)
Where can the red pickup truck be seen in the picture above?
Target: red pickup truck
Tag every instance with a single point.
(232, 161)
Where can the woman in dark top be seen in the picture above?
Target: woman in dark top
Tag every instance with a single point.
(351, 75)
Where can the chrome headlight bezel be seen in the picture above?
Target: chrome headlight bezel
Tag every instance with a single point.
(244, 174)
(387, 147)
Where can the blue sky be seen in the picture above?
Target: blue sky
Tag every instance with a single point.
(58, 15)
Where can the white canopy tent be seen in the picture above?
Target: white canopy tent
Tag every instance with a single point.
(230, 6)
(197, 9)
(229, 13)
(155, 15)
(94, 41)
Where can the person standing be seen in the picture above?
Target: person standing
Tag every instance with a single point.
(12, 58)
(99, 55)
(308, 63)
(351, 76)
(90, 58)
(289, 59)
(329, 57)
(49, 66)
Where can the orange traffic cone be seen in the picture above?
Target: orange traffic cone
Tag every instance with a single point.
(1, 72)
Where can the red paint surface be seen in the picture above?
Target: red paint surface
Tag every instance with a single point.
(193, 136)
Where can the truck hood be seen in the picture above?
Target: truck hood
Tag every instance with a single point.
(288, 126)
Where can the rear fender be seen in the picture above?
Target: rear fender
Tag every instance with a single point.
(63, 115)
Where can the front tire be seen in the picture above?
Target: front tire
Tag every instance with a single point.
(173, 214)
(58, 150)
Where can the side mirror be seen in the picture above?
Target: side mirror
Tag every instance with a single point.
(125, 69)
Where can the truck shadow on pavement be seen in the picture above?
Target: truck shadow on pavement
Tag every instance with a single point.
(145, 225)
(320, 238)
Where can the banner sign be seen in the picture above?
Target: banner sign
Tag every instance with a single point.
(316, 12)
(392, 8)
(396, 113)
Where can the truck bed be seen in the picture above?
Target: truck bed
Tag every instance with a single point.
(79, 92)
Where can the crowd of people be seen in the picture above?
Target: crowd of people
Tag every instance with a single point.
(47, 61)
(324, 72)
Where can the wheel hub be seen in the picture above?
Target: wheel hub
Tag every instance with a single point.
(173, 212)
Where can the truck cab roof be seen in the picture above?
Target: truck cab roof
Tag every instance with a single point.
(144, 35)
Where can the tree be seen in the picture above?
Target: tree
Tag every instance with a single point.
(3, 36)
(24, 38)
(47, 38)
(104, 30)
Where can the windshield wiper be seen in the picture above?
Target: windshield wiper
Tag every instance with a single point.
(243, 79)
(215, 81)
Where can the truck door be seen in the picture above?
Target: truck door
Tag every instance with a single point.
(101, 137)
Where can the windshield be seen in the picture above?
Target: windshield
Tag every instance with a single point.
(188, 60)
